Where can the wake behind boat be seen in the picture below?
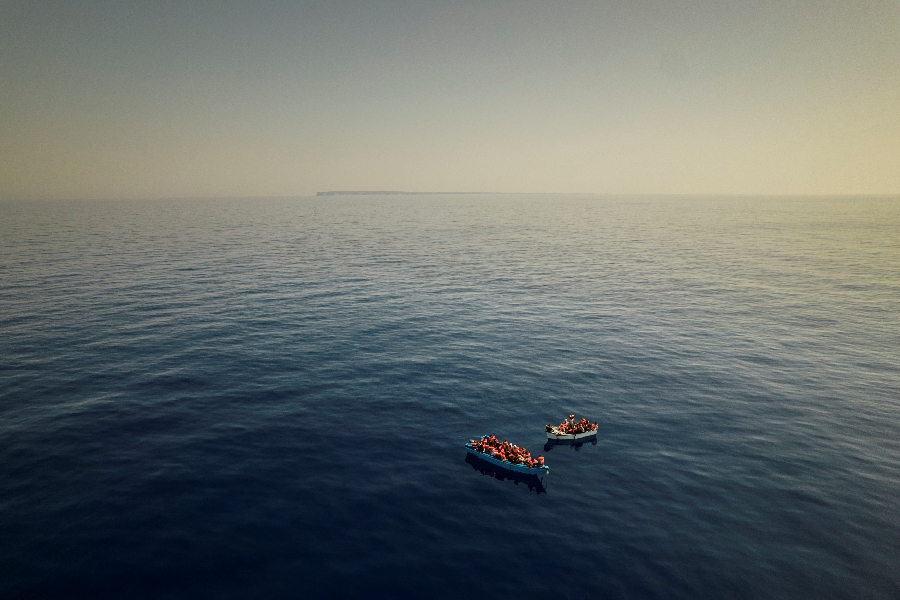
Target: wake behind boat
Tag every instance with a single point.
(570, 430)
(506, 456)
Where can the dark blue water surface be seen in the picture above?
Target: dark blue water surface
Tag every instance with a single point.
(269, 398)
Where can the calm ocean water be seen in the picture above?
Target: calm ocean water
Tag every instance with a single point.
(269, 398)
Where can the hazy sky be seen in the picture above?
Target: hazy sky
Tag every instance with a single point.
(196, 98)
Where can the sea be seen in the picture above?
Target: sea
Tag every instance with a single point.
(270, 397)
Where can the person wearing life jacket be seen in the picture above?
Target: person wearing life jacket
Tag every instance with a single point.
(540, 461)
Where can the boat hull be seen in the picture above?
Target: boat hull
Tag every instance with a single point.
(587, 435)
(503, 464)
(535, 483)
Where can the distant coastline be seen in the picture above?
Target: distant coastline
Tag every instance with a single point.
(388, 193)
(398, 193)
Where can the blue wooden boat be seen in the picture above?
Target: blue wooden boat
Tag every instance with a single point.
(505, 464)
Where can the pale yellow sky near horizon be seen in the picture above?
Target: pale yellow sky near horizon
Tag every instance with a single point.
(128, 99)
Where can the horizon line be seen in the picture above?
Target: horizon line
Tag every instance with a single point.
(402, 193)
(4, 198)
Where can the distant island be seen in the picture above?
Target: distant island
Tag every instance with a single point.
(390, 193)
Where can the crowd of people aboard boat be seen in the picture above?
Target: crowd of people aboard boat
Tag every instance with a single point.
(511, 453)
(570, 427)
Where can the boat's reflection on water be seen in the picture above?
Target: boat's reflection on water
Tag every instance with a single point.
(576, 444)
(534, 483)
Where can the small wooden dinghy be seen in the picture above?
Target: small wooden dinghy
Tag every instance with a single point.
(572, 431)
(538, 470)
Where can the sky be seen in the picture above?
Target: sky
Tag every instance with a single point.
(150, 99)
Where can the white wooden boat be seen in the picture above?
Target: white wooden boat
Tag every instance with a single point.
(505, 464)
(556, 434)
